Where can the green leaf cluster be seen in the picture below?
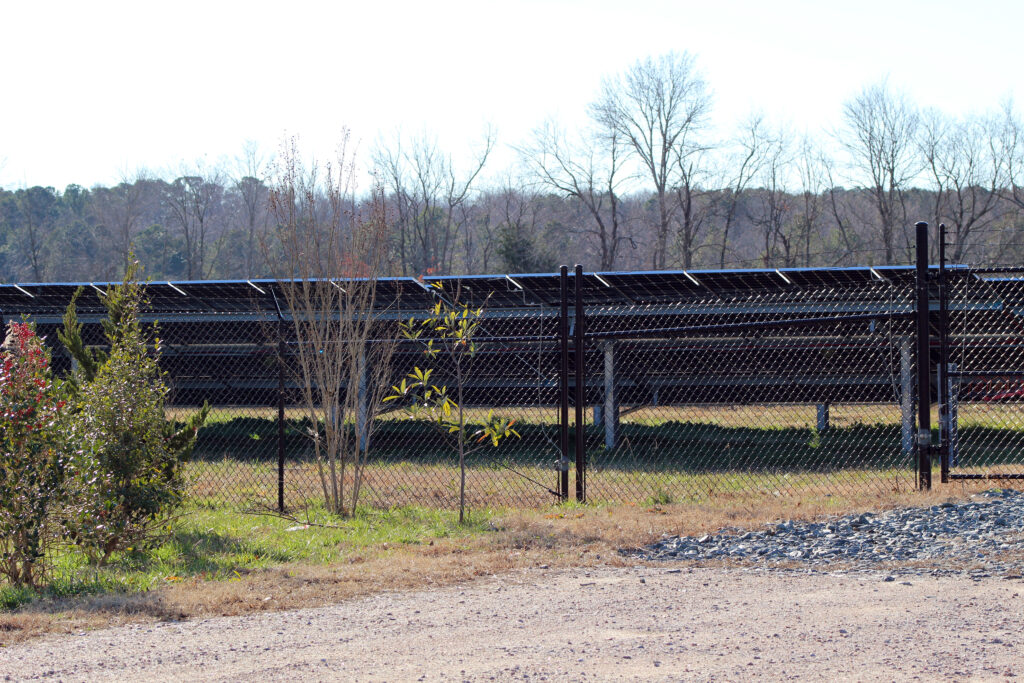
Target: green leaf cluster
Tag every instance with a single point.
(130, 456)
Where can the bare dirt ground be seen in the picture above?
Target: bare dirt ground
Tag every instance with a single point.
(661, 622)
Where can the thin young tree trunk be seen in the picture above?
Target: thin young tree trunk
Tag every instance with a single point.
(462, 445)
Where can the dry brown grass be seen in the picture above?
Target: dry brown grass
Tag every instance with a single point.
(556, 537)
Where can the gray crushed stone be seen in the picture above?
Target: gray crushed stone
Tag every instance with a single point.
(975, 538)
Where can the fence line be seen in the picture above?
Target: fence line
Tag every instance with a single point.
(639, 387)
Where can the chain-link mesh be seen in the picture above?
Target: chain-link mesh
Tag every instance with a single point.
(986, 373)
(773, 386)
(513, 374)
(695, 384)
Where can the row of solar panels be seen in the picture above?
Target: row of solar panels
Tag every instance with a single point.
(218, 297)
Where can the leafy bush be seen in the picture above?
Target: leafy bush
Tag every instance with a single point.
(131, 457)
(33, 465)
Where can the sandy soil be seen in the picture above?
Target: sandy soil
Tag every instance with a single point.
(640, 623)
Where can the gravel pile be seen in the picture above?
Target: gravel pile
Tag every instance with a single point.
(977, 538)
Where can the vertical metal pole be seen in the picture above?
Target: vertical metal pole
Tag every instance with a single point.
(581, 387)
(280, 415)
(363, 409)
(906, 397)
(610, 412)
(952, 431)
(924, 425)
(822, 415)
(563, 384)
(943, 367)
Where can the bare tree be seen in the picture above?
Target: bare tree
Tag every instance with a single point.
(967, 171)
(840, 210)
(589, 170)
(743, 162)
(120, 211)
(779, 231)
(879, 134)
(657, 108)
(250, 185)
(694, 203)
(812, 174)
(328, 264)
(520, 243)
(428, 194)
(1010, 150)
(193, 200)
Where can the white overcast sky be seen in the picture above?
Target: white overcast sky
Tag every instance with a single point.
(93, 91)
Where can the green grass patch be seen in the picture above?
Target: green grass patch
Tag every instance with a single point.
(221, 544)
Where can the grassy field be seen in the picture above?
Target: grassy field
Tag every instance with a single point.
(216, 543)
(682, 453)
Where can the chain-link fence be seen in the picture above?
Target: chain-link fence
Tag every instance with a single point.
(985, 380)
(769, 382)
(641, 387)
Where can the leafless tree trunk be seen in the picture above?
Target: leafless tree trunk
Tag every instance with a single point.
(327, 270)
(967, 169)
(811, 171)
(590, 171)
(747, 161)
(193, 201)
(120, 212)
(778, 231)
(429, 193)
(254, 194)
(657, 108)
(839, 210)
(880, 135)
(694, 205)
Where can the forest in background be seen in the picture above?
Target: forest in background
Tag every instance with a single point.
(646, 185)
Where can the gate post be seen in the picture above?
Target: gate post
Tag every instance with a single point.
(280, 415)
(563, 384)
(924, 430)
(579, 343)
(943, 368)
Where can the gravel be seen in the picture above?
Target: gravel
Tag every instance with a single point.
(607, 624)
(979, 538)
(663, 622)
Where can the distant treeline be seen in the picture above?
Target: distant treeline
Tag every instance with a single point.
(644, 186)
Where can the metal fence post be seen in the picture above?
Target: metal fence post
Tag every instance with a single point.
(581, 388)
(906, 397)
(942, 371)
(610, 411)
(280, 415)
(563, 384)
(924, 431)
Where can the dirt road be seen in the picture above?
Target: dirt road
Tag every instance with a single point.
(642, 623)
